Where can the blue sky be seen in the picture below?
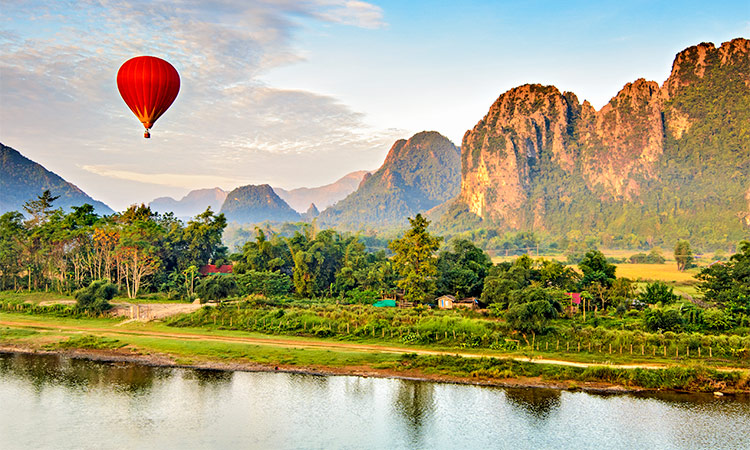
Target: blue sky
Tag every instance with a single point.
(301, 93)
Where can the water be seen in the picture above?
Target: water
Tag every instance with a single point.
(60, 403)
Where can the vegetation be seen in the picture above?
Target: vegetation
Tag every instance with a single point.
(136, 250)
(96, 296)
(683, 255)
(413, 260)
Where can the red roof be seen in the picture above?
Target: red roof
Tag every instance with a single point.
(211, 269)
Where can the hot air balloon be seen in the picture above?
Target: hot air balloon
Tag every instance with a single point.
(148, 85)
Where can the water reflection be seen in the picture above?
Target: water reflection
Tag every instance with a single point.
(415, 404)
(537, 402)
(49, 401)
(43, 370)
(209, 377)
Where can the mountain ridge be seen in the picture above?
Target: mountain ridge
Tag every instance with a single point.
(22, 179)
(417, 174)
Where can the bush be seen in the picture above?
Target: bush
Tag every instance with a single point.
(96, 296)
(658, 293)
(665, 320)
(264, 282)
(217, 287)
(716, 319)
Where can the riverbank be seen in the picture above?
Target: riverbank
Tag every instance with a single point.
(170, 361)
(268, 353)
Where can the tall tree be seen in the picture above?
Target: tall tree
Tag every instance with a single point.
(683, 254)
(40, 209)
(414, 260)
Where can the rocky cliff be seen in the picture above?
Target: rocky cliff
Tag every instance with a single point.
(667, 160)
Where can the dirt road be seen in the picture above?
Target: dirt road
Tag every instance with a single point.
(300, 343)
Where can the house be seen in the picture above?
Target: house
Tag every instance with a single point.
(470, 302)
(445, 301)
(210, 269)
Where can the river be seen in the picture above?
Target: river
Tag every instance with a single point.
(49, 401)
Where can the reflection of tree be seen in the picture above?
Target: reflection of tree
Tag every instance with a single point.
(536, 402)
(210, 377)
(43, 370)
(415, 403)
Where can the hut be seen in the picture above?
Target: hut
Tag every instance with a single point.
(445, 301)
(469, 302)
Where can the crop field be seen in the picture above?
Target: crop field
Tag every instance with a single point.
(655, 272)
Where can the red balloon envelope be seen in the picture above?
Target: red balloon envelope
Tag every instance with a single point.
(148, 85)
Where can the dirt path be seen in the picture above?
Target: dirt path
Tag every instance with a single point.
(312, 344)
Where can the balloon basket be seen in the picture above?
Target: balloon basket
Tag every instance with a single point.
(146, 134)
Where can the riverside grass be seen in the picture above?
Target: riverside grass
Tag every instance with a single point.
(486, 370)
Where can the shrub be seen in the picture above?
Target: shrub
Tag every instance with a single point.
(96, 296)
(658, 293)
(216, 287)
(716, 319)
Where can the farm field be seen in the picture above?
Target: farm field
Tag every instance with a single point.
(656, 272)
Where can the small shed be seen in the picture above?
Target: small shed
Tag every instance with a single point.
(446, 301)
(469, 302)
(385, 304)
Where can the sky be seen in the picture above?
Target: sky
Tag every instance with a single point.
(300, 93)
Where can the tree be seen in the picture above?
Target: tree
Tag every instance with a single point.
(39, 209)
(202, 237)
(533, 307)
(596, 269)
(462, 269)
(728, 283)
(683, 255)
(413, 260)
(12, 234)
(658, 293)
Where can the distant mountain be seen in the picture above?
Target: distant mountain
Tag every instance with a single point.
(194, 203)
(311, 213)
(656, 164)
(418, 174)
(255, 204)
(323, 196)
(21, 179)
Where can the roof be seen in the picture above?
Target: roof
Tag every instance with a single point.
(211, 269)
(469, 300)
(450, 297)
(385, 304)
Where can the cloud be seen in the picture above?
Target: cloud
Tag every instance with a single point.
(165, 179)
(356, 13)
(58, 62)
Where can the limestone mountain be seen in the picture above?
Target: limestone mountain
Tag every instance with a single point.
(311, 213)
(322, 196)
(192, 204)
(254, 204)
(657, 163)
(418, 174)
(21, 179)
